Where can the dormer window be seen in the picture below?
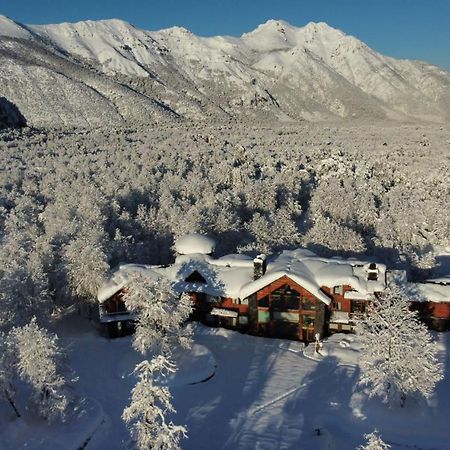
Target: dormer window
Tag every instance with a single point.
(195, 277)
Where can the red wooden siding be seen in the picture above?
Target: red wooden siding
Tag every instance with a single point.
(345, 303)
(433, 309)
(224, 302)
(441, 310)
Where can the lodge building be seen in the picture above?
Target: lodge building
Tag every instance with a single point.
(295, 294)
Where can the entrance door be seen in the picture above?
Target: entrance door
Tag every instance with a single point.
(306, 331)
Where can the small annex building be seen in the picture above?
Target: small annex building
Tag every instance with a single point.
(433, 302)
(294, 294)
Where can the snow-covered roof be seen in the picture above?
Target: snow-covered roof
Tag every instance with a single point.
(437, 290)
(232, 275)
(118, 280)
(313, 272)
(434, 290)
(340, 317)
(355, 295)
(223, 312)
(195, 243)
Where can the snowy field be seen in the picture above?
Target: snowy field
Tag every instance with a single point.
(236, 391)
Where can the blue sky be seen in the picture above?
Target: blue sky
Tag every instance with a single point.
(417, 29)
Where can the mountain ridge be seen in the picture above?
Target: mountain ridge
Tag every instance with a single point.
(277, 71)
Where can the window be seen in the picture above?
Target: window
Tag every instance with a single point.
(285, 298)
(286, 316)
(243, 320)
(338, 290)
(195, 277)
(308, 304)
(307, 321)
(264, 302)
(337, 306)
(263, 316)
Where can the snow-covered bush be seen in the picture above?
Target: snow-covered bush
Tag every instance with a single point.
(374, 442)
(331, 237)
(24, 284)
(398, 355)
(86, 264)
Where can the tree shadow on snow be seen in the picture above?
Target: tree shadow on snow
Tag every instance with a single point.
(217, 412)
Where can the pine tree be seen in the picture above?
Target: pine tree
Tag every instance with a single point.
(398, 356)
(149, 406)
(374, 442)
(160, 314)
(39, 363)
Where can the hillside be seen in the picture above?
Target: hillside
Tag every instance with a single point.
(89, 72)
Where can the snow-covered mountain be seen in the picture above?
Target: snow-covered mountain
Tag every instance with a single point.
(75, 72)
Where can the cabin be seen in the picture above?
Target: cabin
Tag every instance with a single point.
(295, 294)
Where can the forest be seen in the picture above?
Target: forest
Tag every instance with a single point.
(74, 204)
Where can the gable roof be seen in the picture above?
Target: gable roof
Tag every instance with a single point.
(313, 272)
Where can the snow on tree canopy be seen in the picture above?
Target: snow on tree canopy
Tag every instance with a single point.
(190, 244)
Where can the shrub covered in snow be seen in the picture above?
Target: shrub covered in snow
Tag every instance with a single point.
(32, 354)
(374, 442)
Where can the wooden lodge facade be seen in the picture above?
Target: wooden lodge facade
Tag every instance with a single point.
(296, 295)
(283, 309)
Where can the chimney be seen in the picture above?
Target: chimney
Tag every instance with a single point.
(259, 266)
(372, 272)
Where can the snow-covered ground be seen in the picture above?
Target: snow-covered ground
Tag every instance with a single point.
(236, 391)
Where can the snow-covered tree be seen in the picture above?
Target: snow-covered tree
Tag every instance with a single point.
(374, 442)
(24, 289)
(39, 362)
(160, 315)
(398, 356)
(328, 234)
(86, 263)
(149, 406)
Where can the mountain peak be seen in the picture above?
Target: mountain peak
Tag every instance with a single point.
(272, 25)
(177, 30)
(322, 28)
